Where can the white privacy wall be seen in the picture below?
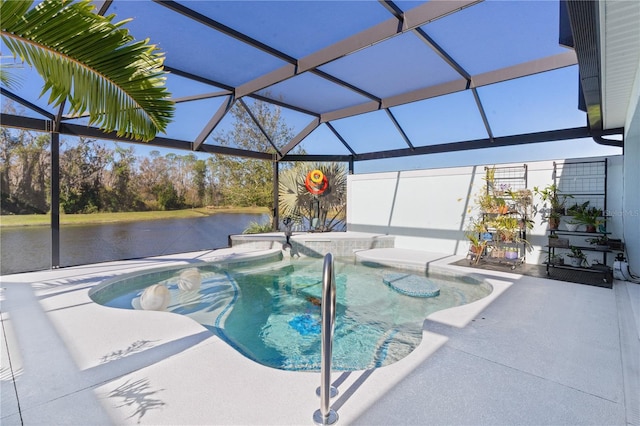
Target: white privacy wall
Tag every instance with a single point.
(429, 209)
(424, 209)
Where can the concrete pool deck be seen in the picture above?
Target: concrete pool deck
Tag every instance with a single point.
(536, 351)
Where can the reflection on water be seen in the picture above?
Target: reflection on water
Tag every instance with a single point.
(29, 248)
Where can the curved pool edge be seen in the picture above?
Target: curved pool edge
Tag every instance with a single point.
(221, 258)
(459, 315)
(184, 359)
(441, 265)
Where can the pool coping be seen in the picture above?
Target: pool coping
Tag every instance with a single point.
(174, 365)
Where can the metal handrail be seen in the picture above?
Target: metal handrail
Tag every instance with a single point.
(325, 415)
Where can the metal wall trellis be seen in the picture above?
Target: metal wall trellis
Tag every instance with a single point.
(584, 181)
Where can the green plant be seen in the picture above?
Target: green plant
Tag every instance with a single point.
(507, 227)
(489, 203)
(576, 208)
(476, 246)
(591, 217)
(526, 223)
(259, 228)
(556, 259)
(328, 208)
(477, 243)
(550, 194)
(521, 201)
(490, 176)
(553, 259)
(91, 63)
(602, 240)
(576, 253)
(476, 226)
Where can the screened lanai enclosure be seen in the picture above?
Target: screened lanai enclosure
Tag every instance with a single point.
(364, 83)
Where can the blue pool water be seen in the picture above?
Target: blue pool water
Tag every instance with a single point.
(270, 312)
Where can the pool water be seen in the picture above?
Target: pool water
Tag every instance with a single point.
(271, 314)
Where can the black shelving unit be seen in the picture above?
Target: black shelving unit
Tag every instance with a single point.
(583, 181)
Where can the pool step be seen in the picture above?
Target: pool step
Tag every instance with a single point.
(411, 285)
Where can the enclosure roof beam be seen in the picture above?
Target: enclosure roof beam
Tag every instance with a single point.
(41, 125)
(202, 96)
(26, 103)
(227, 150)
(340, 138)
(301, 135)
(413, 18)
(198, 78)
(213, 122)
(524, 139)
(422, 35)
(549, 63)
(36, 124)
(262, 130)
(483, 113)
(205, 20)
(283, 104)
(27, 123)
(318, 158)
(399, 128)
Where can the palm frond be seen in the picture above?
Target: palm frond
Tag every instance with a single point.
(93, 63)
(296, 201)
(8, 79)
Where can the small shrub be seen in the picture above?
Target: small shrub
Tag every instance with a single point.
(258, 228)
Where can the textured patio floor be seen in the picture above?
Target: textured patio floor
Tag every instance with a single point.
(536, 351)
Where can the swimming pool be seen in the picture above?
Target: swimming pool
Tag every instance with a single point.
(269, 310)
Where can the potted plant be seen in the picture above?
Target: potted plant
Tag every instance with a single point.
(599, 243)
(576, 208)
(497, 252)
(577, 257)
(590, 217)
(521, 204)
(556, 259)
(489, 203)
(553, 259)
(476, 246)
(551, 195)
(507, 228)
(511, 253)
(572, 226)
(555, 241)
(477, 243)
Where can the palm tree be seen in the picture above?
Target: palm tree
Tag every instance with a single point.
(92, 63)
(298, 203)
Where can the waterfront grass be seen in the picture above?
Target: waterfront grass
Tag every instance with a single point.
(94, 218)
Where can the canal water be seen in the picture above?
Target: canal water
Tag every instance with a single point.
(28, 248)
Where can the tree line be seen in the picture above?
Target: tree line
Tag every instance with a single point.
(109, 177)
(97, 176)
